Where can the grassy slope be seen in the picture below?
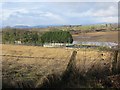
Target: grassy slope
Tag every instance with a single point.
(24, 63)
(82, 28)
(87, 27)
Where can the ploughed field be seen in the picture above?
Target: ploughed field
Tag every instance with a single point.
(108, 36)
(33, 64)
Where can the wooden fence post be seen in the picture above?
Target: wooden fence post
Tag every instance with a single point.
(114, 61)
(118, 63)
(71, 67)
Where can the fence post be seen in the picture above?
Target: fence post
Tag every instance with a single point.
(118, 63)
(71, 67)
(114, 61)
(72, 62)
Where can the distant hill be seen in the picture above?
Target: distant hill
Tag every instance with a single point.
(73, 28)
(38, 26)
(21, 26)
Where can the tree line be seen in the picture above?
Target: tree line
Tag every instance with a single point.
(34, 37)
(25, 36)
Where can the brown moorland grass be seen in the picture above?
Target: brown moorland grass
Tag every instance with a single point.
(32, 63)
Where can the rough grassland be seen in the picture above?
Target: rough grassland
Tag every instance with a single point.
(26, 63)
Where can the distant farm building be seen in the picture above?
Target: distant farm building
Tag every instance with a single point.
(56, 44)
(75, 31)
(18, 42)
(100, 30)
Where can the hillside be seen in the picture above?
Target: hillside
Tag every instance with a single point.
(80, 28)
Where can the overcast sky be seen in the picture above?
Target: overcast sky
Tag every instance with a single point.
(50, 13)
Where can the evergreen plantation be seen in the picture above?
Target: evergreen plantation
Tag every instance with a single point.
(57, 37)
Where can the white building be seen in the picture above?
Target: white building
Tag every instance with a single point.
(18, 42)
(56, 44)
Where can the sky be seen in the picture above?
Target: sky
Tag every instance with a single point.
(57, 13)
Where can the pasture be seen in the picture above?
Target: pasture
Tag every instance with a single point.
(31, 66)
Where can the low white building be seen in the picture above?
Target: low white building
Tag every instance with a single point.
(55, 44)
(18, 42)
